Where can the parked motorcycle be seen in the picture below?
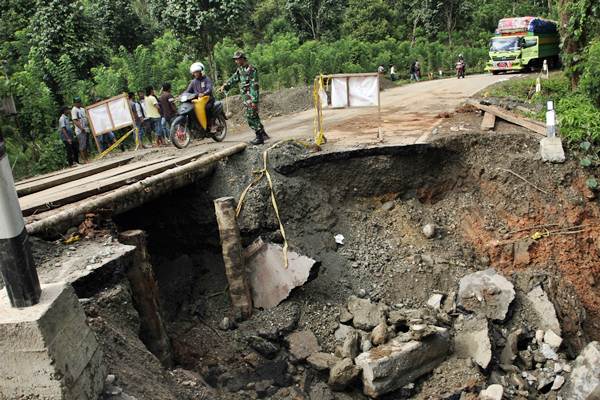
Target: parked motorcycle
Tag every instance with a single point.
(192, 121)
(460, 69)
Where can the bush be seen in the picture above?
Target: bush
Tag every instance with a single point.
(579, 118)
(590, 82)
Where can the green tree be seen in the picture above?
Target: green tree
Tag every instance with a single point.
(315, 19)
(118, 21)
(576, 20)
(202, 23)
(368, 21)
(59, 28)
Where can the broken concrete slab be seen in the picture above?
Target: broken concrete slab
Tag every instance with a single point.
(486, 293)
(351, 345)
(397, 363)
(558, 382)
(584, 381)
(343, 374)
(302, 345)
(544, 309)
(341, 332)
(366, 315)
(379, 334)
(493, 392)
(345, 316)
(551, 149)
(322, 361)
(435, 301)
(270, 281)
(472, 340)
(510, 350)
(552, 339)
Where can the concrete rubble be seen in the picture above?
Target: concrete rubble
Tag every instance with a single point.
(544, 309)
(472, 340)
(270, 281)
(486, 293)
(366, 315)
(584, 381)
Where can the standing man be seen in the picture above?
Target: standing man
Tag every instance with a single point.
(393, 76)
(153, 114)
(138, 118)
(167, 107)
(82, 128)
(66, 135)
(247, 78)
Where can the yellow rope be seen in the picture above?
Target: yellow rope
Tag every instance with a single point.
(260, 175)
(116, 144)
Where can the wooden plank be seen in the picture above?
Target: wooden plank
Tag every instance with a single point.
(36, 185)
(128, 197)
(68, 186)
(534, 126)
(33, 204)
(489, 122)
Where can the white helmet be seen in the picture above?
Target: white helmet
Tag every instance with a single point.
(196, 67)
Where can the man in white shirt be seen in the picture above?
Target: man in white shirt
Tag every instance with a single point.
(82, 128)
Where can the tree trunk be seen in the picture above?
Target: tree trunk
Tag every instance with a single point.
(572, 44)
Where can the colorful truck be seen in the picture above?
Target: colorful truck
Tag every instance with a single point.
(522, 44)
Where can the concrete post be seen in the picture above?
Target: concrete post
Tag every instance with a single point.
(146, 298)
(235, 269)
(47, 351)
(550, 120)
(16, 261)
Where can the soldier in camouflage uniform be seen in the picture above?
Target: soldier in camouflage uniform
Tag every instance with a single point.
(247, 78)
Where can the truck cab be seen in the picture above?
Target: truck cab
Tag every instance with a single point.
(523, 44)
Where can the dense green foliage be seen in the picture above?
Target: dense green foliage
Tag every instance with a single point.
(53, 50)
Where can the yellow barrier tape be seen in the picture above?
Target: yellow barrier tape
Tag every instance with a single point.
(318, 130)
(116, 144)
(538, 235)
(261, 174)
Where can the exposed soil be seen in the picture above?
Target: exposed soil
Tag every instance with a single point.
(464, 183)
(273, 104)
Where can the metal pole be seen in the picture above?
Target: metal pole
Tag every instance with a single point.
(16, 261)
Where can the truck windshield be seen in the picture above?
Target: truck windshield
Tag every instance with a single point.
(505, 44)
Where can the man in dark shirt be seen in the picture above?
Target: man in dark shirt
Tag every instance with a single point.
(167, 106)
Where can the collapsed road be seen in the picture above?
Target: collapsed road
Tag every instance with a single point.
(413, 272)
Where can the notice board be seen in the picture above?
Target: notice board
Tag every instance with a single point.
(110, 115)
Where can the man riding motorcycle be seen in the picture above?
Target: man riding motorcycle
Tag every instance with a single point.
(201, 86)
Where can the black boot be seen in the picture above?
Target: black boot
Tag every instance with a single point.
(258, 139)
(264, 135)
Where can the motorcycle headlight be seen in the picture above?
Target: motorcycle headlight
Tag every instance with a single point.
(184, 98)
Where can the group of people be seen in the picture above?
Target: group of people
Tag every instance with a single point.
(415, 71)
(154, 114)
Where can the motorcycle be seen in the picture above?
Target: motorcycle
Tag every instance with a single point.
(192, 121)
(460, 69)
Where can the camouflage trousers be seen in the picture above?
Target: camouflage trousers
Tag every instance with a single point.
(253, 118)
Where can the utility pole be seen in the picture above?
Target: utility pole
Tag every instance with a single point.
(16, 261)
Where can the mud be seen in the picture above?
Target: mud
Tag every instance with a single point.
(484, 217)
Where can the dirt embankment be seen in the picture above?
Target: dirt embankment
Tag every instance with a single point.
(487, 194)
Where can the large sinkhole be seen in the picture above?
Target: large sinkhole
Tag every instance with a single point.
(379, 200)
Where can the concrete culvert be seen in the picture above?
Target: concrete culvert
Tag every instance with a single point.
(380, 314)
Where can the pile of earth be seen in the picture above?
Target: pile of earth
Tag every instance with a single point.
(480, 194)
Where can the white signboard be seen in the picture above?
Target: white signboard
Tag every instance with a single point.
(355, 91)
(110, 115)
